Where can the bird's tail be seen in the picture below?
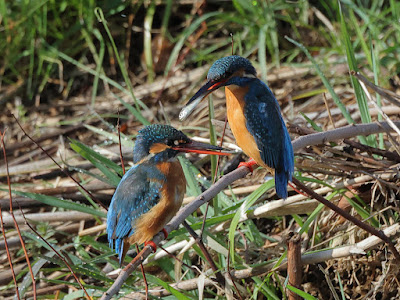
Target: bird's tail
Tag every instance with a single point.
(123, 252)
(284, 174)
(121, 247)
(281, 181)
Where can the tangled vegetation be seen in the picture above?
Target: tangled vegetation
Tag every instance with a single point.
(71, 71)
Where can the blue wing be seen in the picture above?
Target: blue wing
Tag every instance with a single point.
(264, 121)
(135, 195)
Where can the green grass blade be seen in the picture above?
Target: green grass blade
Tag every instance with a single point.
(178, 295)
(100, 16)
(99, 63)
(312, 123)
(100, 162)
(325, 81)
(188, 32)
(243, 209)
(57, 202)
(194, 188)
(376, 70)
(148, 55)
(360, 96)
(262, 50)
(266, 290)
(301, 293)
(125, 141)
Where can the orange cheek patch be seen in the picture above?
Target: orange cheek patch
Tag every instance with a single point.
(157, 148)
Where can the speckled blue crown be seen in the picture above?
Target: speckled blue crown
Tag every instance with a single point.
(156, 133)
(226, 66)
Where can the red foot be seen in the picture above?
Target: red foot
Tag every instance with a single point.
(152, 245)
(248, 164)
(165, 233)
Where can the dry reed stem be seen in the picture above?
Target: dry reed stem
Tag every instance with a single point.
(294, 264)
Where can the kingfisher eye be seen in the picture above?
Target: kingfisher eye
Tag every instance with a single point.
(176, 142)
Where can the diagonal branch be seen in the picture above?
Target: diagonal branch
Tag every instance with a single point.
(224, 181)
(346, 215)
(207, 255)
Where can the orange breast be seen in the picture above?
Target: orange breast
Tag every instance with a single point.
(172, 194)
(235, 111)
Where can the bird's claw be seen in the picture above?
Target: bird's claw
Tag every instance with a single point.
(248, 164)
(165, 233)
(152, 245)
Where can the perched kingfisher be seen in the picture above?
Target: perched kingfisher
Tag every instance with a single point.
(151, 192)
(253, 115)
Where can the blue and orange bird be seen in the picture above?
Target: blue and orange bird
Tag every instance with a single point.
(151, 192)
(253, 115)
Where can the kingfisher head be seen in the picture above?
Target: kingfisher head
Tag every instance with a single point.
(225, 71)
(162, 142)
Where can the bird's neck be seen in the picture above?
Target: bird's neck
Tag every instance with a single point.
(240, 81)
(159, 158)
(158, 168)
(162, 157)
(153, 158)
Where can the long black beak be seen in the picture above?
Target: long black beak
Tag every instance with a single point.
(206, 89)
(203, 148)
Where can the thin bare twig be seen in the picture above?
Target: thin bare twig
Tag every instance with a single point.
(388, 95)
(341, 133)
(58, 254)
(146, 286)
(180, 261)
(15, 222)
(5, 238)
(329, 111)
(60, 216)
(231, 34)
(215, 177)
(346, 215)
(386, 153)
(207, 255)
(58, 165)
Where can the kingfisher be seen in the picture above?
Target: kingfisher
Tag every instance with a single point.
(151, 192)
(253, 115)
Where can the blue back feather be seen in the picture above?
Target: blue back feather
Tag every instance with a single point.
(263, 118)
(136, 194)
(264, 121)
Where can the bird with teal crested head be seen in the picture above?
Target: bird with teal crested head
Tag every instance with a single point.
(254, 117)
(151, 192)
